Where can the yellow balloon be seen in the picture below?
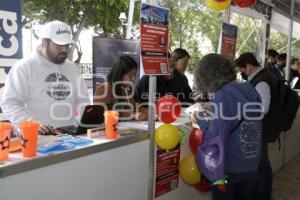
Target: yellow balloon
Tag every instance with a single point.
(167, 136)
(218, 6)
(188, 170)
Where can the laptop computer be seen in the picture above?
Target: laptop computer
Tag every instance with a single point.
(92, 117)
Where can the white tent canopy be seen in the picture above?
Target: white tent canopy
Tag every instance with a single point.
(281, 23)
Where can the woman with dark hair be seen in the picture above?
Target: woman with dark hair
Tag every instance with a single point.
(167, 85)
(119, 90)
(228, 112)
(181, 59)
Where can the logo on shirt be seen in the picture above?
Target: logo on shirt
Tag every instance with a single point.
(250, 137)
(59, 86)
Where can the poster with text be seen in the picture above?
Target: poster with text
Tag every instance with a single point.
(107, 52)
(10, 38)
(166, 170)
(154, 39)
(228, 42)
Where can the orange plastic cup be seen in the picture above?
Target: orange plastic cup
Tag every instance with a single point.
(29, 137)
(110, 122)
(5, 131)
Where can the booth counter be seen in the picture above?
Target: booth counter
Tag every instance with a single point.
(108, 170)
(113, 170)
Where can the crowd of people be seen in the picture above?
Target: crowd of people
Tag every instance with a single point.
(277, 63)
(39, 87)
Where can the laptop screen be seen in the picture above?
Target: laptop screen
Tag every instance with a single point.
(92, 117)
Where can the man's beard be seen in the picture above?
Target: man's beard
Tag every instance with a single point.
(57, 59)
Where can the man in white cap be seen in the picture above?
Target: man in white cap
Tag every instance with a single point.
(46, 87)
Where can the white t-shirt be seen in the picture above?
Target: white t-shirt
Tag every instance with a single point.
(41, 90)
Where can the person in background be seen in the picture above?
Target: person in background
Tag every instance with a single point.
(272, 64)
(293, 70)
(181, 60)
(278, 69)
(265, 84)
(272, 57)
(215, 74)
(46, 86)
(167, 85)
(295, 74)
(119, 90)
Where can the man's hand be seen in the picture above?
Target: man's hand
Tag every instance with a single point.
(47, 130)
(141, 116)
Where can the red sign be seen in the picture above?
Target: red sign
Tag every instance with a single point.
(166, 171)
(154, 39)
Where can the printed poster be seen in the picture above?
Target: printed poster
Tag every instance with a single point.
(154, 39)
(10, 38)
(228, 41)
(167, 174)
(106, 52)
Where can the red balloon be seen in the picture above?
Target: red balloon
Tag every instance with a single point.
(168, 109)
(244, 3)
(195, 139)
(204, 185)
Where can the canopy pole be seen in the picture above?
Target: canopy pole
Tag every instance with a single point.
(151, 128)
(266, 34)
(227, 15)
(130, 18)
(289, 46)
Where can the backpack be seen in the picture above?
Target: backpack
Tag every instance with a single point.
(283, 106)
(288, 103)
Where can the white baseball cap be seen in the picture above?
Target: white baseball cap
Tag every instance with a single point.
(58, 32)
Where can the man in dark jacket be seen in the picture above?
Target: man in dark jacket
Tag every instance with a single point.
(265, 84)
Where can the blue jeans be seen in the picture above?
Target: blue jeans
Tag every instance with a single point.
(240, 186)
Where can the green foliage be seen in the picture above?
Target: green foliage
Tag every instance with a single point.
(100, 14)
(191, 23)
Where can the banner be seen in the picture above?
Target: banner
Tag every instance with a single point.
(106, 52)
(167, 163)
(228, 41)
(10, 37)
(154, 39)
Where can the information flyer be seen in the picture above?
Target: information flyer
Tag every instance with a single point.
(166, 170)
(154, 39)
(229, 38)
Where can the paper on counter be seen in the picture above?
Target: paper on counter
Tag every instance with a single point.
(194, 108)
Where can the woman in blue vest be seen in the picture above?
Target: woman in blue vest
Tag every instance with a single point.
(227, 113)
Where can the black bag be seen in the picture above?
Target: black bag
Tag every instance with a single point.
(283, 106)
(288, 103)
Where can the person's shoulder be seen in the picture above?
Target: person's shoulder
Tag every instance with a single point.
(68, 63)
(144, 77)
(143, 80)
(23, 64)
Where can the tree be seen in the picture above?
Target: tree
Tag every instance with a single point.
(102, 15)
(191, 25)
